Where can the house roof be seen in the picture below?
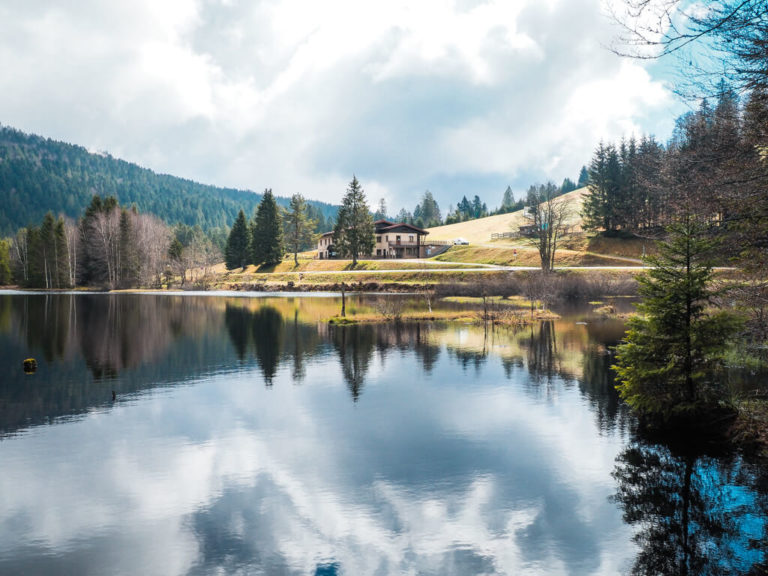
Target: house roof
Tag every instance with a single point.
(386, 226)
(382, 226)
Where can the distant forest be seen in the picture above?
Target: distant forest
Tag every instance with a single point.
(38, 175)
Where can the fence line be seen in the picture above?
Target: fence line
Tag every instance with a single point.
(500, 235)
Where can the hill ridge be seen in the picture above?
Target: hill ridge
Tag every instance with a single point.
(39, 174)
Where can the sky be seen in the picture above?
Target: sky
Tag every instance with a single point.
(459, 97)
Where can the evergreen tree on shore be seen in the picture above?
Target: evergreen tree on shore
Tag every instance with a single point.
(353, 233)
(298, 226)
(236, 252)
(267, 232)
(671, 357)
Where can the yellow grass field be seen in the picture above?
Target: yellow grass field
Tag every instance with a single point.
(479, 231)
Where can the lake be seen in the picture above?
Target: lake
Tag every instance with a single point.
(248, 436)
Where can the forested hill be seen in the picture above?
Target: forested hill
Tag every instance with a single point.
(38, 175)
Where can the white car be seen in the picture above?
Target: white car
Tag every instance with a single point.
(460, 242)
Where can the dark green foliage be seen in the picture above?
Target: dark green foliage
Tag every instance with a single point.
(507, 202)
(568, 185)
(267, 232)
(236, 252)
(5, 262)
(128, 254)
(353, 233)
(404, 217)
(381, 210)
(47, 264)
(466, 210)
(583, 177)
(298, 226)
(175, 250)
(98, 228)
(109, 247)
(427, 212)
(600, 204)
(38, 175)
(671, 358)
(627, 190)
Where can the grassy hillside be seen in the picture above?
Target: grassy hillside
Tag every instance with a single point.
(38, 175)
(479, 231)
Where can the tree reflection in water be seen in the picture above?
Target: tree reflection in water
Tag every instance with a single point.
(267, 328)
(696, 514)
(598, 385)
(543, 355)
(354, 345)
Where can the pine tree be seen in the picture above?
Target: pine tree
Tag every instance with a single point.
(671, 357)
(583, 177)
(236, 252)
(353, 233)
(508, 201)
(267, 232)
(600, 206)
(404, 217)
(129, 258)
(5, 262)
(428, 211)
(381, 211)
(568, 185)
(298, 226)
(61, 255)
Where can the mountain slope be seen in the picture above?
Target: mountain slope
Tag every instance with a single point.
(38, 175)
(479, 231)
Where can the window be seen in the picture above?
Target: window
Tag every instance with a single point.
(378, 239)
(410, 238)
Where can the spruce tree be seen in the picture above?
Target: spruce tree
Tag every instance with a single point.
(298, 226)
(428, 211)
(670, 361)
(128, 254)
(508, 201)
(267, 232)
(583, 177)
(381, 211)
(5, 262)
(236, 252)
(353, 233)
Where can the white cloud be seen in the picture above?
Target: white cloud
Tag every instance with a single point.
(457, 97)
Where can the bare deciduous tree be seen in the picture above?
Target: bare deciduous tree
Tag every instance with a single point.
(713, 40)
(550, 214)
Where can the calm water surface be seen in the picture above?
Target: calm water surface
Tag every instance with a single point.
(249, 437)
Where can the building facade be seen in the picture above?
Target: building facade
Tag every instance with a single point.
(393, 240)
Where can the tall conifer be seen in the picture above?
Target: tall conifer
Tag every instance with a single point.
(267, 232)
(236, 253)
(353, 233)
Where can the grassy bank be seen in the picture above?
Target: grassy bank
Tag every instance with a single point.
(525, 255)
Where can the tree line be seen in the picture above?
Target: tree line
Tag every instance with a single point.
(110, 246)
(263, 241)
(713, 165)
(427, 212)
(705, 195)
(272, 231)
(38, 175)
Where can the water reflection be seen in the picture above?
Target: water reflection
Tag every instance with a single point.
(406, 448)
(695, 514)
